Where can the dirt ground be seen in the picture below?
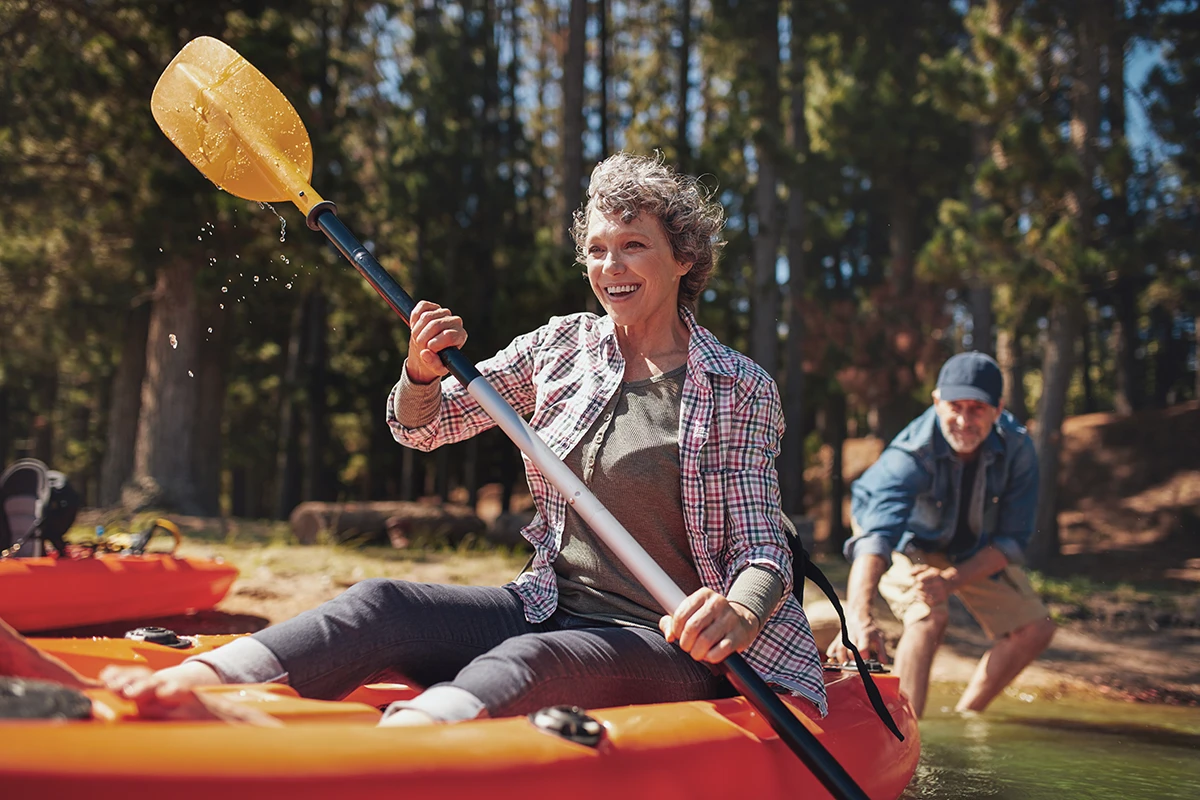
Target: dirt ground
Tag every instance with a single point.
(1125, 589)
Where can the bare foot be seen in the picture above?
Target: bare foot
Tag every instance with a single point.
(20, 659)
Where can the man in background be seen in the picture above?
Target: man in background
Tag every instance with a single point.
(948, 509)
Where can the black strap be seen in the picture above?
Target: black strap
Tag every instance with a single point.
(813, 573)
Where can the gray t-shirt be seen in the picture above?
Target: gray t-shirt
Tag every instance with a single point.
(630, 461)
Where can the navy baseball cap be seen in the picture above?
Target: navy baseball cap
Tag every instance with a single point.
(971, 376)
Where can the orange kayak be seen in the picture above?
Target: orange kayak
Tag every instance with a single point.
(39, 594)
(690, 750)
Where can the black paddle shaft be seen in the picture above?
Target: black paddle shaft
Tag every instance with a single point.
(797, 737)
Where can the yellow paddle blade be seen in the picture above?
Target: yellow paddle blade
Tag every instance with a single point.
(234, 125)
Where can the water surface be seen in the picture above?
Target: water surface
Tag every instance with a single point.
(1070, 748)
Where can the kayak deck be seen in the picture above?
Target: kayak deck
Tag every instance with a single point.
(718, 748)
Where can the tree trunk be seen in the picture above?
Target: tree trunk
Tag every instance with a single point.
(1058, 365)
(572, 129)
(288, 463)
(1128, 394)
(237, 491)
(317, 483)
(902, 219)
(1167, 357)
(408, 474)
(211, 371)
(683, 147)
(1085, 357)
(162, 468)
(765, 302)
(791, 457)
(1066, 314)
(124, 407)
(1012, 364)
(835, 437)
(604, 47)
(470, 467)
(979, 295)
(46, 391)
(369, 522)
(1123, 341)
(897, 408)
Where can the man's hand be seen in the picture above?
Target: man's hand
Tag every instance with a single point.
(866, 636)
(708, 627)
(932, 585)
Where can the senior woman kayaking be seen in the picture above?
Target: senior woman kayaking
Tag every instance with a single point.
(673, 432)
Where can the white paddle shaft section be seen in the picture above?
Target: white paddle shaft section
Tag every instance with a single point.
(605, 525)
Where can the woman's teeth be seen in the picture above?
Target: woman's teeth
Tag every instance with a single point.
(626, 289)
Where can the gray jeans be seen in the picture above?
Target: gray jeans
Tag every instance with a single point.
(472, 639)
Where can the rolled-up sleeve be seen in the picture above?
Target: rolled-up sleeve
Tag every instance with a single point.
(1018, 504)
(456, 416)
(751, 483)
(882, 501)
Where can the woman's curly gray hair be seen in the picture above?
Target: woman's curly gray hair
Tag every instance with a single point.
(632, 185)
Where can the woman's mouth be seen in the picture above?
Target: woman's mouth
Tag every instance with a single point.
(621, 290)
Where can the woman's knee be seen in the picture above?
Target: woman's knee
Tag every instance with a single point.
(378, 597)
(372, 591)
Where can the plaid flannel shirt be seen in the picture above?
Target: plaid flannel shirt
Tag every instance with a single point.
(731, 422)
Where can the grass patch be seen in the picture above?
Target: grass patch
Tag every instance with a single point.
(265, 552)
(1079, 591)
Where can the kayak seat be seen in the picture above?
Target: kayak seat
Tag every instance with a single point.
(38, 505)
(24, 489)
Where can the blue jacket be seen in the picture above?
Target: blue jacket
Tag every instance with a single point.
(909, 496)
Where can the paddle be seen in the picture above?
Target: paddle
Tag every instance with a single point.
(239, 130)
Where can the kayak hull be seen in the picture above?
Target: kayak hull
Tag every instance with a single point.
(701, 749)
(40, 594)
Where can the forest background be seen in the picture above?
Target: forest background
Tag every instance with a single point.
(903, 181)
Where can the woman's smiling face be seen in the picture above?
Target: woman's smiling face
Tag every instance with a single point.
(633, 270)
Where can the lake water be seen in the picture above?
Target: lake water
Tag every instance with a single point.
(1069, 748)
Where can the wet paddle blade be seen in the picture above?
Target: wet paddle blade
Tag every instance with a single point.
(234, 125)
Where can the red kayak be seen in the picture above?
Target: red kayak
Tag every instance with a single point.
(668, 751)
(39, 594)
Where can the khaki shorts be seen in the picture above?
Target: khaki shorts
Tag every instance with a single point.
(1000, 604)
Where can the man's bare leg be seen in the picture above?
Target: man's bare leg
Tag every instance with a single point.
(914, 656)
(20, 659)
(1004, 662)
